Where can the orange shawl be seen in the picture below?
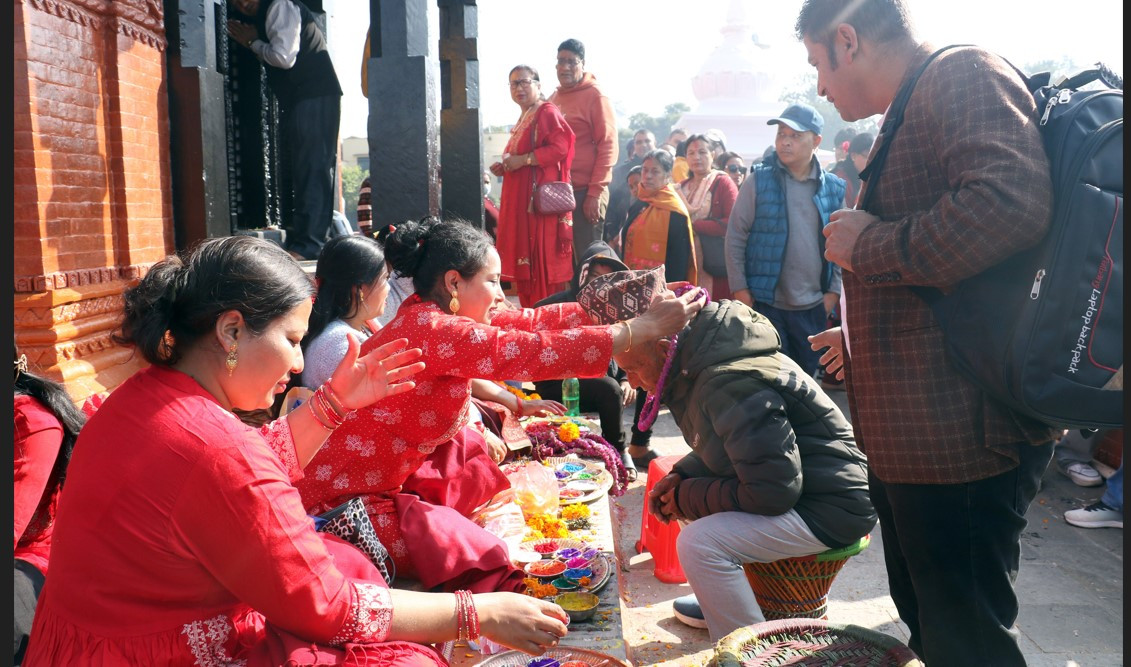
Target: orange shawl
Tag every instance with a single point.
(646, 240)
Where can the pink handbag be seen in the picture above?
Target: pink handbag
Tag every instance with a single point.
(555, 197)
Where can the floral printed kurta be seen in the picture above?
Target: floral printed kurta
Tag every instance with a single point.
(378, 447)
(180, 540)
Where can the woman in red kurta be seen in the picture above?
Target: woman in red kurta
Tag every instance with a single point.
(460, 319)
(46, 425)
(181, 539)
(536, 250)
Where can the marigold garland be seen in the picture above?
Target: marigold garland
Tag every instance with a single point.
(532, 396)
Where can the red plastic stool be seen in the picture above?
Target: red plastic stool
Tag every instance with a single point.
(656, 536)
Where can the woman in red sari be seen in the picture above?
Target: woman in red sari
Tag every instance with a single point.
(709, 195)
(536, 250)
(460, 319)
(180, 539)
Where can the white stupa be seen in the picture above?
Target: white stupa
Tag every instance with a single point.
(738, 88)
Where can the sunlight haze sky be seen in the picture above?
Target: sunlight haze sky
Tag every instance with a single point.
(645, 54)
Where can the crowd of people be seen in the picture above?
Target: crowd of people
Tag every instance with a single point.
(176, 533)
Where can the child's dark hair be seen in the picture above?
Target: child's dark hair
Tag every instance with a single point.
(428, 249)
(346, 265)
(55, 398)
(180, 299)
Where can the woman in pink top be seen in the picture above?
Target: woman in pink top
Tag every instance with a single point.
(181, 540)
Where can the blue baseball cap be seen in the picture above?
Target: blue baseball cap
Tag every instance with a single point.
(801, 117)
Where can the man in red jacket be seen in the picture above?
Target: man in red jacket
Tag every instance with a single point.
(590, 115)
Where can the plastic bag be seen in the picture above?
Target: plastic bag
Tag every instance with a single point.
(535, 489)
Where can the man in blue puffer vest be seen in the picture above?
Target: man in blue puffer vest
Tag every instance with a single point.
(775, 250)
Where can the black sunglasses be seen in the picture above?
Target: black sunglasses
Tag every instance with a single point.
(735, 169)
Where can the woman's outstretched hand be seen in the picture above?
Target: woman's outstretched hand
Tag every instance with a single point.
(521, 622)
(539, 407)
(363, 380)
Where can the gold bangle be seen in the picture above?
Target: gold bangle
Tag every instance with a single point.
(629, 328)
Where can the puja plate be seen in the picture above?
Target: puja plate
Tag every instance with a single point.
(558, 543)
(545, 569)
(562, 654)
(602, 567)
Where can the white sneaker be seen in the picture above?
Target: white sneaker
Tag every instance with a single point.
(1082, 474)
(1096, 515)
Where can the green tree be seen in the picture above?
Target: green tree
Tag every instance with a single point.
(352, 176)
(661, 125)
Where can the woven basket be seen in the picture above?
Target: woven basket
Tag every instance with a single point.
(811, 643)
(799, 587)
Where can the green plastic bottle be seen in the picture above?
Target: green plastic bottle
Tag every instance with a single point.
(571, 397)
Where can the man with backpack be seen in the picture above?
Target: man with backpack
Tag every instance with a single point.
(966, 185)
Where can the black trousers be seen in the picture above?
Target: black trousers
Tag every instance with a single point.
(952, 553)
(312, 135)
(601, 395)
(641, 438)
(28, 582)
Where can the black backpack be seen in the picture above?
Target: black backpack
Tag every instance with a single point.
(1042, 332)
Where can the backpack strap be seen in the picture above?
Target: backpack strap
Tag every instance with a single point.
(892, 121)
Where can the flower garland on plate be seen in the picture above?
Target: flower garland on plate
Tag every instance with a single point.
(547, 442)
(652, 403)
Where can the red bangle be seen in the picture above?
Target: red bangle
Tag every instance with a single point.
(335, 402)
(467, 617)
(332, 415)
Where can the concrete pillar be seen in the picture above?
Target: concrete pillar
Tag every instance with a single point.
(198, 133)
(404, 145)
(461, 135)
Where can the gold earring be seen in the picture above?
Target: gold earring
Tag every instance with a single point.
(233, 359)
(453, 305)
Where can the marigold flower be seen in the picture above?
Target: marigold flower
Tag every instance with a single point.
(575, 511)
(568, 432)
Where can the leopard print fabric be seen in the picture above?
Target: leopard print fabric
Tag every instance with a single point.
(350, 522)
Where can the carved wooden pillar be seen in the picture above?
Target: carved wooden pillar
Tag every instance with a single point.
(91, 179)
(403, 112)
(461, 154)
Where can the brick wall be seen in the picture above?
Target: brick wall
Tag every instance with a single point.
(91, 178)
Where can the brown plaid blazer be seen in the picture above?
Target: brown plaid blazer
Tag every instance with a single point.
(966, 184)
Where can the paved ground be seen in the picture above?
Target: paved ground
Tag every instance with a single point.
(1070, 583)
